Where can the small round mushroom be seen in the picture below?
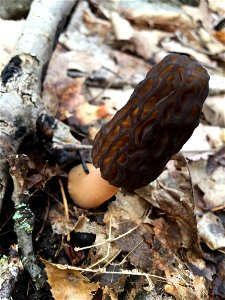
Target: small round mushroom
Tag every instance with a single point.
(132, 149)
(89, 190)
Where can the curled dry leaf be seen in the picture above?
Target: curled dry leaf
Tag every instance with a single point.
(215, 136)
(212, 231)
(108, 294)
(193, 12)
(134, 244)
(220, 36)
(111, 96)
(132, 212)
(216, 160)
(69, 101)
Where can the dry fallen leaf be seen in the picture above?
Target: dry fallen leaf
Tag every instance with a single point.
(169, 44)
(181, 282)
(198, 142)
(212, 231)
(99, 252)
(125, 221)
(217, 6)
(122, 28)
(158, 15)
(67, 283)
(210, 42)
(212, 185)
(217, 84)
(176, 200)
(96, 26)
(214, 110)
(114, 99)
(146, 42)
(203, 142)
(58, 220)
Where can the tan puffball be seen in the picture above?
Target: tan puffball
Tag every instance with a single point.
(89, 190)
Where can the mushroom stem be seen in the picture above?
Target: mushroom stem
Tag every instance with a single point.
(89, 190)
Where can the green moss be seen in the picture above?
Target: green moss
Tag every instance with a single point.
(21, 220)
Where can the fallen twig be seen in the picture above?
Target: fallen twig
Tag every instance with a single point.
(20, 106)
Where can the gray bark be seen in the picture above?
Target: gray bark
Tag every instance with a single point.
(20, 106)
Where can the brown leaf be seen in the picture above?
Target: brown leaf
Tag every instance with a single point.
(181, 281)
(112, 282)
(67, 283)
(177, 202)
(179, 207)
(58, 221)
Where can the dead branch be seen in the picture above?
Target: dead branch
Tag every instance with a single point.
(21, 79)
(10, 269)
(20, 106)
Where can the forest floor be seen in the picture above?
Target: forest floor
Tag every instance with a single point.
(164, 241)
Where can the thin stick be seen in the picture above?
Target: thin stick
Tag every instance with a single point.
(107, 240)
(66, 210)
(44, 221)
(123, 272)
(108, 248)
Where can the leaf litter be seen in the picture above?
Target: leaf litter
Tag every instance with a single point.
(165, 240)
